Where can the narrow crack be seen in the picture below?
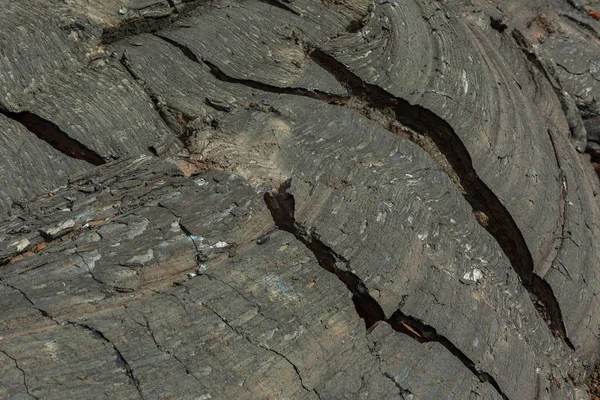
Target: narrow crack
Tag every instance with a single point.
(570, 72)
(543, 286)
(435, 136)
(574, 4)
(200, 255)
(89, 269)
(281, 204)
(166, 351)
(221, 76)
(159, 105)
(281, 6)
(120, 359)
(261, 346)
(136, 23)
(41, 311)
(421, 332)
(289, 362)
(402, 391)
(583, 23)
(254, 303)
(569, 107)
(96, 332)
(440, 141)
(22, 372)
(50, 133)
(104, 284)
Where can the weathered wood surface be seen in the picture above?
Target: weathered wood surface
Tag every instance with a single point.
(298, 200)
(566, 35)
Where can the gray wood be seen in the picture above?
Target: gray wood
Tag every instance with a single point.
(285, 318)
(30, 166)
(304, 199)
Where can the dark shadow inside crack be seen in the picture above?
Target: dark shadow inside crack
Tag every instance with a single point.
(51, 133)
(281, 204)
(436, 137)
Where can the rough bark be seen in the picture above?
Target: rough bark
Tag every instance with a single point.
(264, 199)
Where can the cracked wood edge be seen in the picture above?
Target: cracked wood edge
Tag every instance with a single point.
(215, 68)
(445, 147)
(51, 133)
(281, 204)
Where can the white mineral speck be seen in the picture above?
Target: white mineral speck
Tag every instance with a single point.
(474, 275)
(21, 244)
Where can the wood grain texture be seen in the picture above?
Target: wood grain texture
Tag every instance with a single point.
(461, 82)
(298, 199)
(242, 320)
(30, 166)
(504, 126)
